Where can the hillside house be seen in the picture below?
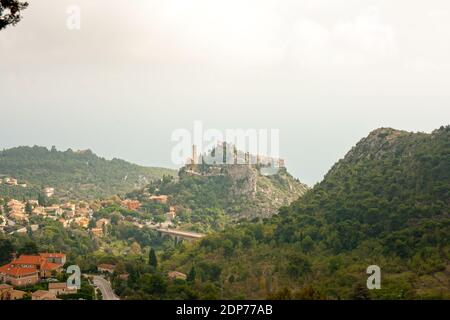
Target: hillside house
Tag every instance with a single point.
(61, 288)
(19, 276)
(39, 211)
(68, 207)
(10, 181)
(59, 258)
(97, 232)
(69, 214)
(43, 295)
(175, 275)
(34, 203)
(159, 199)
(18, 216)
(106, 268)
(29, 269)
(49, 192)
(81, 221)
(15, 204)
(17, 207)
(54, 210)
(131, 204)
(8, 292)
(83, 212)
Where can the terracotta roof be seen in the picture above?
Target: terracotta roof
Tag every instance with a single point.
(50, 266)
(4, 268)
(26, 259)
(10, 270)
(15, 268)
(38, 261)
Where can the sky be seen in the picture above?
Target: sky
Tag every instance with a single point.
(323, 72)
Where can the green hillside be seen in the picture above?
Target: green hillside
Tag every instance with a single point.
(209, 197)
(386, 203)
(79, 174)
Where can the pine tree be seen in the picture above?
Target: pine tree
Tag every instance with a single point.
(42, 200)
(360, 292)
(152, 260)
(28, 208)
(192, 274)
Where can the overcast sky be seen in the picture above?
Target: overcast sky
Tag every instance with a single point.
(324, 72)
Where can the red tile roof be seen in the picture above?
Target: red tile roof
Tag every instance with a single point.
(48, 266)
(25, 259)
(11, 270)
(38, 261)
(15, 268)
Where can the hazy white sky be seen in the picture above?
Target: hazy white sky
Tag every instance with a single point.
(324, 72)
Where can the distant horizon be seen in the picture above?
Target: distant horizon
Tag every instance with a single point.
(176, 168)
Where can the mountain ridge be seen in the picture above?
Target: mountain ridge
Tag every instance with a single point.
(72, 173)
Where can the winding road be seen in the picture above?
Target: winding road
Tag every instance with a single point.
(105, 288)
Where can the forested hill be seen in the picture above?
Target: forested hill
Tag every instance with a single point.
(208, 197)
(80, 174)
(386, 203)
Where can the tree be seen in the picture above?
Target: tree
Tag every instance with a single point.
(92, 224)
(29, 247)
(154, 284)
(115, 218)
(152, 260)
(135, 248)
(10, 12)
(42, 200)
(28, 208)
(160, 218)
(192, 274)
(6, 251)
(360, 292)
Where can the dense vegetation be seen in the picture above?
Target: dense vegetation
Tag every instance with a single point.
(386, 203)
(79, 174)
